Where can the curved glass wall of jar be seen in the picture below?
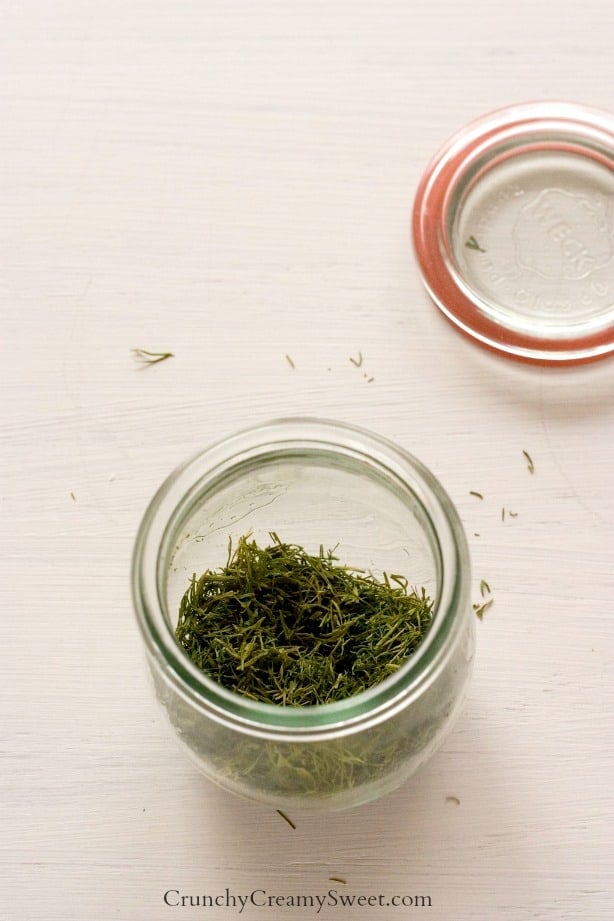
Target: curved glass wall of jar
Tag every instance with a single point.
(314, 483)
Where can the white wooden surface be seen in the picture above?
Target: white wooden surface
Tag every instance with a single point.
(232, 181)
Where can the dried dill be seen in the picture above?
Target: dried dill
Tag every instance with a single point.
(338, 879)
(478, 495)
(150, 358)
(357, 361)
(530, 464)
(472, 243)
(282, 626)
(298, 772)
(290, 362)
(480, 609)
(286, 819)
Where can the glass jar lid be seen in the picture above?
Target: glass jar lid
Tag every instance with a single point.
(513, 227)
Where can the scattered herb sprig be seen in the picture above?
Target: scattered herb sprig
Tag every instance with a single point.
(150, 358)
(481, 608)
(358, 363)
(283, 626)
(472, 243)
(286, 819)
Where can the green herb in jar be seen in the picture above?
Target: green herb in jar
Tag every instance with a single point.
(280, 625)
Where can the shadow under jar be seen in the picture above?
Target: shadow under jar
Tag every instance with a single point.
(314, 483)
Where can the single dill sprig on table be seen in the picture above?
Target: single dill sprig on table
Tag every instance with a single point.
(282, 626)
(480, 609)
(286, 819)
(530, 464)
(150, 358)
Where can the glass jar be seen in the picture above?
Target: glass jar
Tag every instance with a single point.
(315, 483)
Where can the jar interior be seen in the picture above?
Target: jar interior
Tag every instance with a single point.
(353, 505)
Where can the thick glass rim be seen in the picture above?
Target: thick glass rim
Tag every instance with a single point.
(499, 136)
(321, 720)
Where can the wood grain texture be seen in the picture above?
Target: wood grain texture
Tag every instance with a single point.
(232, 182)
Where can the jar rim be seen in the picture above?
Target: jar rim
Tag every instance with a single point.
(319, 720)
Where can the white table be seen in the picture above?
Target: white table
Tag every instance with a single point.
(232, 182)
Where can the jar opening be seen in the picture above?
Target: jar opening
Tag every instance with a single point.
(311, 482)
